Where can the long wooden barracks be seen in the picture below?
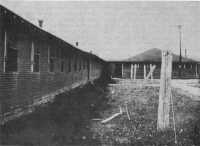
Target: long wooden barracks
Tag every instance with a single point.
(139, 66)
(35, 65)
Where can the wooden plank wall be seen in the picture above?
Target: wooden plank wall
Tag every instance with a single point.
(22, 88)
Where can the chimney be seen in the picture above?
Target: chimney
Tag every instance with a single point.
(77, 44)
(40, 22)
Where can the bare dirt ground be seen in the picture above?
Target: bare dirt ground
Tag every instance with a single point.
(190, 88)
(74, 118)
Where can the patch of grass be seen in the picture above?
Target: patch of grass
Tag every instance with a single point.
(141, 130)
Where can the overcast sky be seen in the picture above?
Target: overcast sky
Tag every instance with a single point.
(117, 30)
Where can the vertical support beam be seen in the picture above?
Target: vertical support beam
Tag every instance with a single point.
(165, 91)
(150, 69)
(122, 70)
(196, 71)
(144, 71)
(131, 71)
(135, 71)
(152, 72)
(5, 51)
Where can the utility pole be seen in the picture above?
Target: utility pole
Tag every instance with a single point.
(180, 45)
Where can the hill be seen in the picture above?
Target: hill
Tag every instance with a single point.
(154, 55)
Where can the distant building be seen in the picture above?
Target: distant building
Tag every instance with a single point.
(145, 60)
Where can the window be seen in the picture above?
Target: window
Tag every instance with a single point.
(11, 61)
(62, 62)
(62, 65)
(75, 64)
(84, 64)
(51, 65)
(36, 67)
(10, 54)
(69, 65)
(52, 57)
(80, 65)
(35, 58)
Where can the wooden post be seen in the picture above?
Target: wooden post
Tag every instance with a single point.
(122, 70)
(135, 71)
(152, 72)
(165, 91)
(131, 71)
(196, 71)
(144, 71)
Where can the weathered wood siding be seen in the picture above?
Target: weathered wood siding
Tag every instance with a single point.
(24, 87)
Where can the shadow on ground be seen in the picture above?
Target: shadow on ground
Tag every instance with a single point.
(64, 122)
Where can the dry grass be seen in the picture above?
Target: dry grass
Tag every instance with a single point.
(141, 129)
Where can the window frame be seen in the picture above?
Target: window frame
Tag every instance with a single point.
(62, 60)
(6, 60)
(51, 57)
(35, 52)
(75, 64)
(69, 64)
(80, 65)
(5, 55)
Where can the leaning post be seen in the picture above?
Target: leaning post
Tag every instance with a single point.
(165, 91)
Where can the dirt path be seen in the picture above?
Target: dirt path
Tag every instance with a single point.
(190, 88)
(64, 122)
